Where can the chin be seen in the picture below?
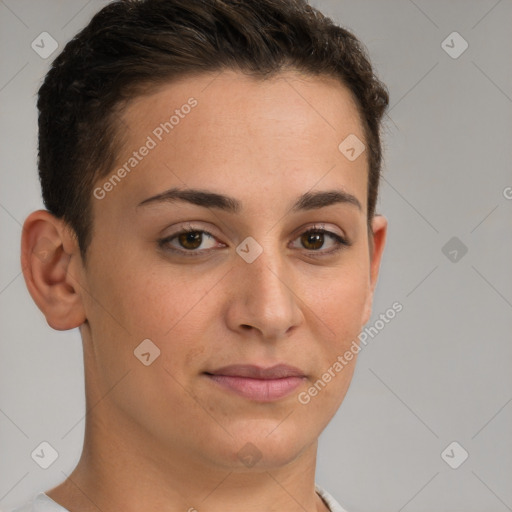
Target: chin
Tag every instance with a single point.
(262, 445)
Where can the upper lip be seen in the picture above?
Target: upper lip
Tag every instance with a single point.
(279, 371)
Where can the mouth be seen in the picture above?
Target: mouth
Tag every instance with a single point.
(257, 383)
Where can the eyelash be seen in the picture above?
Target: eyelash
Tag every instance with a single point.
(341, 242)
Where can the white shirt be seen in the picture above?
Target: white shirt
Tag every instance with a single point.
(43, 503)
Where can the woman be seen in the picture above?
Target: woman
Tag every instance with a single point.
(210, 171)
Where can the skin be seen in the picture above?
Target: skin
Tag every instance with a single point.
(164, 437)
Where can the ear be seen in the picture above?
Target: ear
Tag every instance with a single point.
(377, 242)
(47, 248)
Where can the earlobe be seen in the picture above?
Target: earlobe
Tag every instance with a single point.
(378, 241)
(46, 250)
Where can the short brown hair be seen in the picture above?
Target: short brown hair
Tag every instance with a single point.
(131, 46)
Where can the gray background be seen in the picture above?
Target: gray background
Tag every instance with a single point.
(438, 372)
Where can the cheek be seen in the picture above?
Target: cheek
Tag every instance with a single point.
(170, 309)
(147, 300)
(339, 303)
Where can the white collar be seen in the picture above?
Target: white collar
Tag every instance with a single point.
(43, 503)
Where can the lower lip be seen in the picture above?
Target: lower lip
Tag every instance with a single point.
(260, 390)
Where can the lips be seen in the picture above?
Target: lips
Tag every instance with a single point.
(258, 383)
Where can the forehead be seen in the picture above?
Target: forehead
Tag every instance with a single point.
(319, 103)
(229, 131)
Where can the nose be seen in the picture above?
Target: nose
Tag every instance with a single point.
(263, 298)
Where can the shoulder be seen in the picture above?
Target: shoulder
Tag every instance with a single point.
(333, 505)
(40, 503)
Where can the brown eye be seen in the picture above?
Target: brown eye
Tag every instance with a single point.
(190, 240)
(313, 240)
(320, 242)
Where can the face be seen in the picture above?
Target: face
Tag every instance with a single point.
(237, 243)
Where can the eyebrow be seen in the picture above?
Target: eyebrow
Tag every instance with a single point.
(206, 199)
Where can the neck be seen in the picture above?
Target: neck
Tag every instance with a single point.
(123, 469)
